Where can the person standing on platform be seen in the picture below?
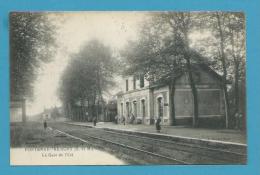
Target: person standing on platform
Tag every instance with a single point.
(158, 124)
(45, 124)
(95, 121)
(123, 120)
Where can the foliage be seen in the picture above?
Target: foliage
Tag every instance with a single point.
(163, 53)
(155, 54)
(88, 74)
(166, 47)
(226, 45)
(233, 27)
(31, 43)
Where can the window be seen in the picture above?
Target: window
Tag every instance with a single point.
(160, 107)
(143, 108)
(127, 109)
(126, 85)
(135, 108)
(122, 109)
(141, 81)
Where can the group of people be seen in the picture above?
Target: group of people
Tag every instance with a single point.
(132, 118)
(238, 117)
(117, 120)
(122, 120)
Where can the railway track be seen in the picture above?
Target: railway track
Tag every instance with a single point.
(186, 152)
(206, 151)
(164, 159)
(166, 151)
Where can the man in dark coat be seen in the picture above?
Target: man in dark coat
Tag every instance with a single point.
(95, 121)
(45, 124)
(157, 124)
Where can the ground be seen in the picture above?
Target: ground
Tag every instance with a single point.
(33, 134)
(139, 148)
(227, 135)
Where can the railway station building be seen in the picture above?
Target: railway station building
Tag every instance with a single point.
(142, 102)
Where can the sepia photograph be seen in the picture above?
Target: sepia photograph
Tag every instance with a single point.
(128, 88)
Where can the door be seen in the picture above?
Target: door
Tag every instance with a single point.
(160, 107)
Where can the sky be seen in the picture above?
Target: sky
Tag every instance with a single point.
(73, 30)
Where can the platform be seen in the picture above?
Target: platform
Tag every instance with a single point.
(224, 136)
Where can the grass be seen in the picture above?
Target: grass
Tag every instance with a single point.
(32, 134)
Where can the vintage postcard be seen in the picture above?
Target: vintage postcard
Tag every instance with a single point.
(128, 88)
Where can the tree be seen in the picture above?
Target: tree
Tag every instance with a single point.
(226, 45)
(223, 61)
(230, 25)
(156, 65)
(31, 43)
(163, 53)
(88, 75)
(181, 25)
(236, 37)
(75, 85)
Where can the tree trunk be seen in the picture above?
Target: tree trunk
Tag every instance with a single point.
(224, 79)
(236, 86)
(226, 105)
(187, 57)
(97, 110)
(94, 106)
(195, 120)
(87, 110)
(69, 111)
(99, 94)
(236, 71)
(172, 103)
